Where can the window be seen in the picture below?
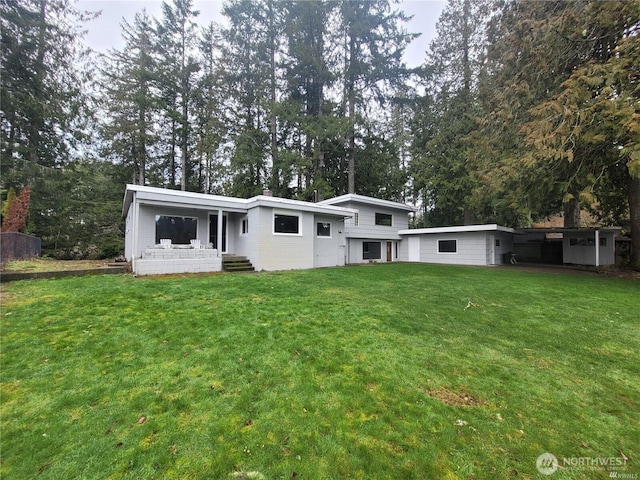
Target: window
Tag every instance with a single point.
(497, 242)
(371, 250)
(244, 228)
(585, 242)
(323, 229)
(447, 246)
(181, 230)
(286, 224)
(355, 220)
(603, 241)
(384, 219)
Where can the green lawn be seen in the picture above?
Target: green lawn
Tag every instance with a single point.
(386, 372)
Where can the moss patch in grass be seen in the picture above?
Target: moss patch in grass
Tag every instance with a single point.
(393, 371)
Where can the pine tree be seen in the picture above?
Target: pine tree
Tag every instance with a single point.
(246, 70)
(130, 87)
(442, 166)
(209, 128)
(44, 104)
(176, 45)
(373, 43)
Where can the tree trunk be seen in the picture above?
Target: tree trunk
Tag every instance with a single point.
(633, 192)
(142, 149)
(37, 122)
(572, 213)
(273, 122)
(351, 105)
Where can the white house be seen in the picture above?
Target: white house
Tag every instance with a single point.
(462, 245)
(170, 231)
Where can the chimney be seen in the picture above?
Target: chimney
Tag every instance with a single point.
(267, 193)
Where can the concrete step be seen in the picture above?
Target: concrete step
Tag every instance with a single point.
(235, 263)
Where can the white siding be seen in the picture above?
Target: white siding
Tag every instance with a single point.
(355, 250)
(414, 248)
(368, 231)
(129, 234)
(582, 254)
(329, 251)
(283, 251)
(247, 245)
(471, 248)
(367, 227)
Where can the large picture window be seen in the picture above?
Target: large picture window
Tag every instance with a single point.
(371, 250)
(447, 246)
(384, 219)
(179, 229)
(286, 223)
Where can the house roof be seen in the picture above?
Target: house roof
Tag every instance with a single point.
(203, 201)
(355, 198)
(492, 227)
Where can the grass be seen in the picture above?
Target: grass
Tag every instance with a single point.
(386, 372)
(50, 265)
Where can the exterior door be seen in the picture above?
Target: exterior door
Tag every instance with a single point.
(389, 251)
(213, 232)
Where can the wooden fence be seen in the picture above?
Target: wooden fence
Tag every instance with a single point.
(18, 246)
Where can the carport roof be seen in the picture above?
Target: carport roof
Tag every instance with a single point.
(567, 229)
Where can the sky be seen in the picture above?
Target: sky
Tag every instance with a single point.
(104, 33)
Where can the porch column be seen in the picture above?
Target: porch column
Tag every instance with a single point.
(597, 248)
(219, 236)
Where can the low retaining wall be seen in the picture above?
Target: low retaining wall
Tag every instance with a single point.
(163, 261)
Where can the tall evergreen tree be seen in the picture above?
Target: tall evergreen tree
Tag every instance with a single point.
(42, 102)
(442, 166)
(246, 70)
(177, 35)
(590, 126)
(374, 41)
(308, 76)
(209, 127)
(130, 85)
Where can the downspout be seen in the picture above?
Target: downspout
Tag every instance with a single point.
(134, 226)
(597, 248)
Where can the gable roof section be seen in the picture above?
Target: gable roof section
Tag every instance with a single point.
(355, 198)
(203, 201)
(285, 203)
(492, 227)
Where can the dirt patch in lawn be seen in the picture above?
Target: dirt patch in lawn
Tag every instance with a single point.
(455, 399)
